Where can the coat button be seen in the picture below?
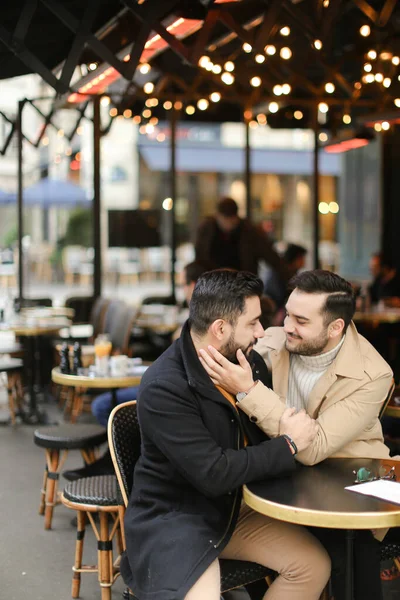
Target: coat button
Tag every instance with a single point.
(253, 419)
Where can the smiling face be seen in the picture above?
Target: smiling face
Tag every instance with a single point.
(245, 333)
(307, 332)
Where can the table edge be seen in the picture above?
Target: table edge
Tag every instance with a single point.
(90, 382)
(320, 518)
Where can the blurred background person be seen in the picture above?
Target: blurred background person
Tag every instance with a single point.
(275, 288)
(231, 242)
(386, 281)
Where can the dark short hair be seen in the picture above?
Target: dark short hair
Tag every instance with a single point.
(221, 294)
(196, 268)
(340, 301)
(293, 251)
(227, 207)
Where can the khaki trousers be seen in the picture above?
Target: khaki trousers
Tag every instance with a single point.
(300, 560)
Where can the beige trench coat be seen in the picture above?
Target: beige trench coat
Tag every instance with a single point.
(345, 401)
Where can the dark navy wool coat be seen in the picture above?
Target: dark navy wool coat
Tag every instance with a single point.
(187, 484)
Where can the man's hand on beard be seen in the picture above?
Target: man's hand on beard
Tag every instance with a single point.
(232, 378)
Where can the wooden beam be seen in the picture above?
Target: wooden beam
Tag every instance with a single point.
(79, 42)
(30, 60)
(269, 24)
(204, 35)
(24, 20)
(97, 46)
(386, 12)
(367, 9)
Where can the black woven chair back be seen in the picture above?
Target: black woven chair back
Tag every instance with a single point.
(121, 328)
(82, 305)
(124, 442)
(97, 315)
(113, 309)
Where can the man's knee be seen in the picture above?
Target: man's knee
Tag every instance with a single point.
(311, 564)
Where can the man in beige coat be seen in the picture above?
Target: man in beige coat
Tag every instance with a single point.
(321, 365)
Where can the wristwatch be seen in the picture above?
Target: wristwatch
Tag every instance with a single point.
(241, 395)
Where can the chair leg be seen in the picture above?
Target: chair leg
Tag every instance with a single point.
(51, 486)
(105, 557)
(80, 534)
(11, 398)
(43, 491)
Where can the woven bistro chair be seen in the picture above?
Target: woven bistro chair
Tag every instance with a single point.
(57, 441)
(87, 496)
(12, 369)
(124, 443)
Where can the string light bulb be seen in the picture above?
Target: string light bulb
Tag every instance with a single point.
(270, 50)
(148, 87)
(318, 44)
(323, 137)
(285, 31)
(372, 54)
(365, 30)
(286, 89)
(247, 47)
(255, 81)
(227, 78)
(329, 88)
(217, 69)
(203, 61)
(285, 53)
(127, 113)
(178, 105)
(190, 110)
(229, 66)
(323, 107)
(367, 67)
(273, 107)
(387, 82)
(113, 112)
(298, 115)
(202, 104)
(167, 105)
(215, 97)
(379, 77)
(262, 119)
(277, 90)
(346, 119)
(259, 58)
(369, 78)
(385, 125)
(397, 102)
(396, 60)
(144, 68)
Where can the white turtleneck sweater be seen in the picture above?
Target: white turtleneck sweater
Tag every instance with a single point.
(304, 372)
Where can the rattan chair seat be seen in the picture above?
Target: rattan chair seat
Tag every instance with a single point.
(100, 490)
(70, 436)
(389, 550)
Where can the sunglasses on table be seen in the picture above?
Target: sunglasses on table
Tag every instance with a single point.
(363, 475)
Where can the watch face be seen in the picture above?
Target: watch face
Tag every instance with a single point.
(240, 396)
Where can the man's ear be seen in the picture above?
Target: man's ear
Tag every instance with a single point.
(336, 328)
(218, 329)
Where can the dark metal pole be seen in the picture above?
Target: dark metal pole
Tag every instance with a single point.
(96, 199)
(316, 191)
(173, 122)
(21, 104)
(247, 174)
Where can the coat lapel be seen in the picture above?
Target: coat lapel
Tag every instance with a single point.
(348, 364)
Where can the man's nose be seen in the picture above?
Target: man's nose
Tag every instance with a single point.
(288, 326)
(259, 333)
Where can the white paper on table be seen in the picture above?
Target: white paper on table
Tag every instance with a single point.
(382, 488)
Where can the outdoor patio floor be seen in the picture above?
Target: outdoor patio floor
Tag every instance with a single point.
(37, 563)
